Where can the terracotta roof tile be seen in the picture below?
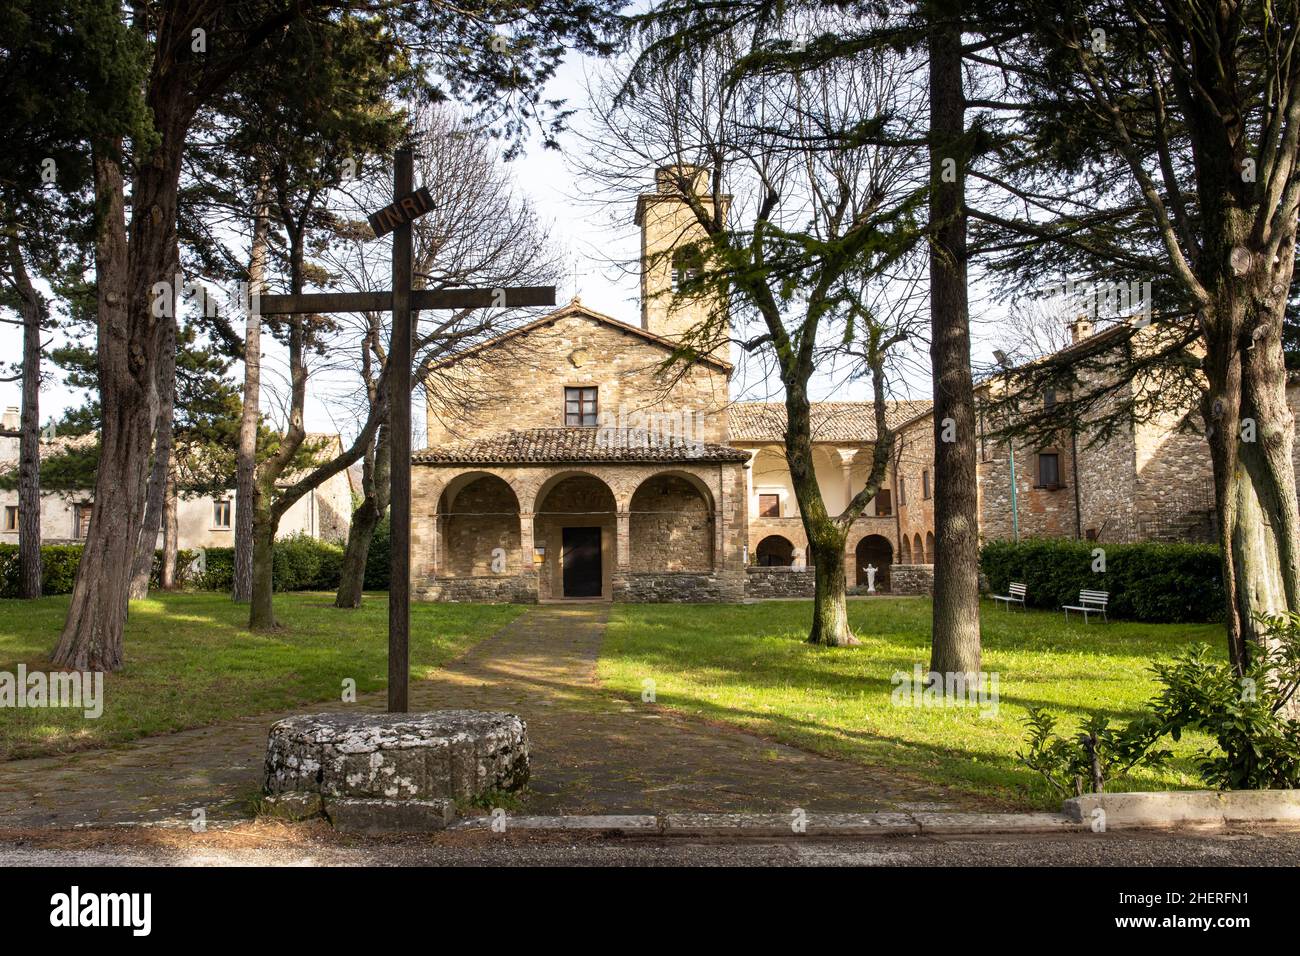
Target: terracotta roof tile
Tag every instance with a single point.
(560, 445)
(831, 421)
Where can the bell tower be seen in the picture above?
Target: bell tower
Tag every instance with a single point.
(668, 227)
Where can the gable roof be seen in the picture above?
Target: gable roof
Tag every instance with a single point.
(574, 445)
(575, 308)
(831, 421)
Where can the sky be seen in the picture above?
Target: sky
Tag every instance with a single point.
(592, 247)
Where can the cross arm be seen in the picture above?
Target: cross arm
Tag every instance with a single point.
(421, 300)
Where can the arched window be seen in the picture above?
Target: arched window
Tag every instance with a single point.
(929, 547)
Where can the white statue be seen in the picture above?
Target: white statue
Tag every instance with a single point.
(796, 559)
(871, 579)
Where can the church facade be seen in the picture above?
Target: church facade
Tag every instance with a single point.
(566, 460)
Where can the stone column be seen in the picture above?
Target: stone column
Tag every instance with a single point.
(623, 539)
(846, 467)
(525, 542)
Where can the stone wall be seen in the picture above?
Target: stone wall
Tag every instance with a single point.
(912, 579)
(601, 494)
(779, 582)
(490, 589)
(670, 527)
(519, 383)
(483, 517)
(678, 587)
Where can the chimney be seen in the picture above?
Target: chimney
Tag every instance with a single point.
(11, 419)
(1080, 328)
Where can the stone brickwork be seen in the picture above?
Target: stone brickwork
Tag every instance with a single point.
(912, 579)
(670, 527)
(1148, 480)
(486, 589)
(681, 587)
(552, 497)
(519, 382)
(779, 582)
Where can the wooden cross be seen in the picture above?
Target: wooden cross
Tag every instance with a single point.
(404, 302)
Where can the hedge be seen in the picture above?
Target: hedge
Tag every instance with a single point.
(1149, 581)
(59, 568)
(301, 563)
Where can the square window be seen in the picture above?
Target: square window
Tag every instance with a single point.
(884, 506)
(769, 506)
(11, 517)
(580, 407)
(1049, 470)
(221, 514)
(81, 520)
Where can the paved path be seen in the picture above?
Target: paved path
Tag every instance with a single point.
(592, 750)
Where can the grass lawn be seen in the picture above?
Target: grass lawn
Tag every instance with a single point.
(190, 661)
(748, 665)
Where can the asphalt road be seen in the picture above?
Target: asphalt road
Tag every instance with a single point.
(1210, 848)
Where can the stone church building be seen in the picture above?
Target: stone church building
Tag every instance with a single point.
(566, 461)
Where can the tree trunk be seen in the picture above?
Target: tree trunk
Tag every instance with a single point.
(246, 455)
(830, 624)
(160, 470)
(129, 345)
(1251, 435)
(955, 634)
(171, 547)
(29, 442)
(364, 521)
(261, 609)
(92, 632)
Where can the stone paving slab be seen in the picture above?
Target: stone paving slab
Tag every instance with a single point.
(593, 752)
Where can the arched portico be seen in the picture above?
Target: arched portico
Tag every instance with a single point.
(575, 536)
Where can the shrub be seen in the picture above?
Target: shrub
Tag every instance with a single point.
(1149, 581)
(1259, 745)
(1248, 717)
(301, 564)
(1096, 755)
(377, 558)
(58, 568)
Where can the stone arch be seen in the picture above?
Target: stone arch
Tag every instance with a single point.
(478, 525)
(876, 550)
(543, 489)
(774, 551)
(918, 549)
(904, 551)
(929, 547)
(670, 524)
(569, 507)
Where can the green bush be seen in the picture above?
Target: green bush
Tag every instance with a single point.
(377, 558)
(300, 563)
(59, 568)
(1149, 581)
(1258, 742)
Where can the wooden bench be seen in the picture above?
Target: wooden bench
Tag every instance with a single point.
(1017, 596)
(1089, 602)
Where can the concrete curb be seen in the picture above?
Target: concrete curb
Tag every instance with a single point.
(785, 824)
(1191, 808)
